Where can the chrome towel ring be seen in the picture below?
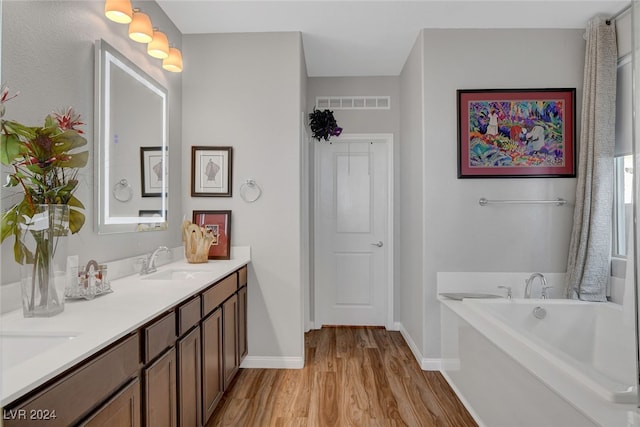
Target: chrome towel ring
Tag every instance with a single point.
(122, 191)
(250, 191)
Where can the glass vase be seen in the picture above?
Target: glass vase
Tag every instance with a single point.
(43, 273)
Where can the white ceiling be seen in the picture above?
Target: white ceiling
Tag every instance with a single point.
(374, 38)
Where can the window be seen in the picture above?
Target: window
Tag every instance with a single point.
(622, 203)
(623, 169)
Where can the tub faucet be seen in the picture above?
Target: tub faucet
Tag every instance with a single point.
(508, 288)
(149, 263)
(529, 282)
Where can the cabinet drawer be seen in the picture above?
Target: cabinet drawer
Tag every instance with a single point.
(214, 296)
(158, 336)
(121, 410)
(242, 276)
(75, 394)
(188, 315)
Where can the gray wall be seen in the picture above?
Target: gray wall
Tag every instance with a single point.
(245, 91)
(363, 121)
(48, 55)
(411, 250)
(459, 235)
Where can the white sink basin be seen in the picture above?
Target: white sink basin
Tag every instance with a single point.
(177, 275)
(18, 346)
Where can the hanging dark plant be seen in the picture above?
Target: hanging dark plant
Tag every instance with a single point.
(323, 124)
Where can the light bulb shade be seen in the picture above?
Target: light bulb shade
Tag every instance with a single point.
(140, 28)
(173, 62)
(159, 46)
(118, 11)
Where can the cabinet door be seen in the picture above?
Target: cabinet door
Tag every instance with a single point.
(231, 358)
(189, 380)
(122, 410)
(212, 385)
(90, 383)
(160, 391)
(242, 322)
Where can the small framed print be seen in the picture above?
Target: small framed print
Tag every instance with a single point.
(516, 133)
(211, 171)
(219, 222)
(153, 167)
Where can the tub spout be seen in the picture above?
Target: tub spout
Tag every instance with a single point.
(529, 283)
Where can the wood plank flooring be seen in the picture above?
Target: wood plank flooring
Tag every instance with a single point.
(352, 377)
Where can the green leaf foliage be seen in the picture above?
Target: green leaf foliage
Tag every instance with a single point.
(45, 161)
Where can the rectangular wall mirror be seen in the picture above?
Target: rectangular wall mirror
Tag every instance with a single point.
(131, 153)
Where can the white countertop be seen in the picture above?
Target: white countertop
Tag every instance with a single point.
(97, 323)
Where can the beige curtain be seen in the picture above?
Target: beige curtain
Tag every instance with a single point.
(588, 265)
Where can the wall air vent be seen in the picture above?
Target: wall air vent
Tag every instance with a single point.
(353, 102)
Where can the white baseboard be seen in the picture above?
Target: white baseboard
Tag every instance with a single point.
(267, 362)
(426, 364)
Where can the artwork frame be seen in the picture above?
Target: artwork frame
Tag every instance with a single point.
(153, 171)
(516, 133)
(211, 171)
(220, 223)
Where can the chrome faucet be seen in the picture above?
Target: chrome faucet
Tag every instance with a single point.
(149, 263)
(508, 288)
(529, 282)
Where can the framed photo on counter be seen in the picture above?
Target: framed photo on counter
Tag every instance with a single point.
(219, 222)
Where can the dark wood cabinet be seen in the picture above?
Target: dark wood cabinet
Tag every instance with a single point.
(242, 322)
(160, 404)
(231, 358)
(190, 379)
(121, 410)
(212, 380)
(171, 371)
(74, 396)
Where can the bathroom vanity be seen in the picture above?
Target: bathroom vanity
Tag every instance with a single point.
(159, 351)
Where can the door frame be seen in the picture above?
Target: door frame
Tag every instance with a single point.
(385, 138)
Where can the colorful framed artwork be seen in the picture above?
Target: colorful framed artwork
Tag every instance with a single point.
(516, 133)
(211, 171)
(219, 222)
(154, 170)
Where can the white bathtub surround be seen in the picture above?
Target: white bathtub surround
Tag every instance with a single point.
(86, 327)
(563, 376)
(489, 282)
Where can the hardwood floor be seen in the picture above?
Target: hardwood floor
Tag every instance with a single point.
(352, 377)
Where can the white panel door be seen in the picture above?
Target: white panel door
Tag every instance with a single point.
(352, 204)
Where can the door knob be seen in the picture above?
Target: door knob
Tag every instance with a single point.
(378, 244)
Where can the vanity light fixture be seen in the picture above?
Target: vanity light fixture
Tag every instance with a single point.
(159, 46)
(140, 28)
(173, 62)
(119, 11)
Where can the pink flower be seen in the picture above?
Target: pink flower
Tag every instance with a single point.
(4, 97)
(69, 119)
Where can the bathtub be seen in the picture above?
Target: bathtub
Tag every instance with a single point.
(575, 366)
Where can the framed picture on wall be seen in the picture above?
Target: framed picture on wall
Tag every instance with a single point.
(153, 167)
(211, 171)
(219, 222)
(509, 133)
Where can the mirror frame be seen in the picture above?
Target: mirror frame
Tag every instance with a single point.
(105, 57)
